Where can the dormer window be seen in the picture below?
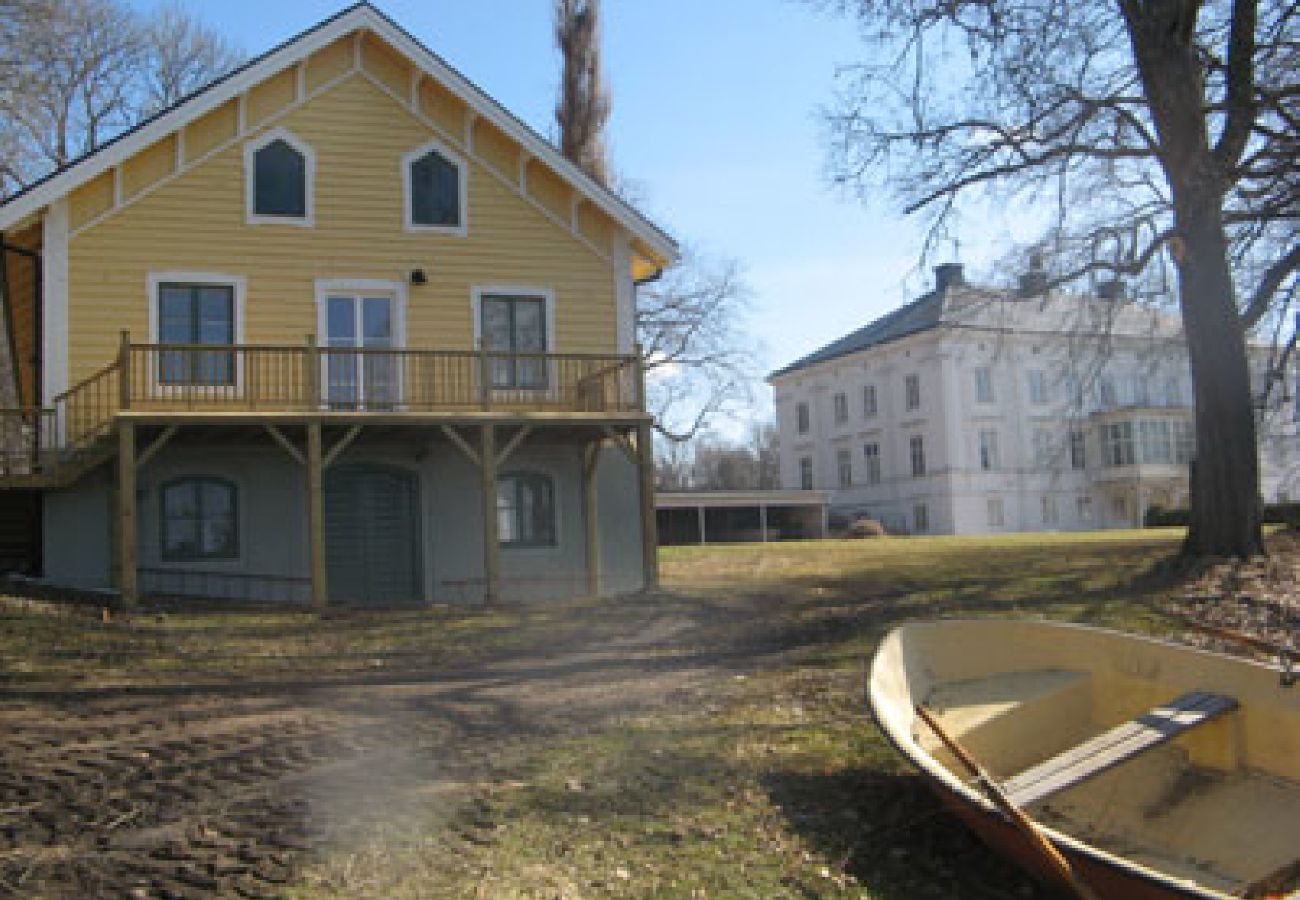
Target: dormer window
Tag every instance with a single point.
(279, 169)
(434, 180)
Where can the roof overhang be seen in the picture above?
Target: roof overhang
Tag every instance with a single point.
(656, 246)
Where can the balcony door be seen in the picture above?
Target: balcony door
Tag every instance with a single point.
(361, 329)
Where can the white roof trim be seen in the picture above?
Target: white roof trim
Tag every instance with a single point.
(361, 17)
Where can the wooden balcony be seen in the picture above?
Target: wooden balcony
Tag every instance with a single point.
(51, 446)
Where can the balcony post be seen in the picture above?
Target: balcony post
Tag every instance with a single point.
(484, 377)
(639, 362)
(491, 536)
(124, 370)
(591, 515)
(316, 517)
(649, 527)
(127, 530)
(311, 377)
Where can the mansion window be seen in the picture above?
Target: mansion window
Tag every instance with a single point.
(984, 385)
(921, 518)
(988, 450)
(1043, 449)
(513, 330)
(526, 510)
(199, 520)
(1117, 440)
(912, 392)
(802, 419)
(1159, 442)
(871, 452)
(195, 314)
(1106, 392)
(1184, 442)
(280, 171)
(806, 473)
(1078, 457)
(869, 407)
(435, 189)
(841, 408)
(917, 447)
(1038, 393)
(1155, 439)
(844, 467)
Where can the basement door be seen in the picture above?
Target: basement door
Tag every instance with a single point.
(372, 538)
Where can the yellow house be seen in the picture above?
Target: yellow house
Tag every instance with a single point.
(336, 328)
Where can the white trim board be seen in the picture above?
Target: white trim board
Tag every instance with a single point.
(360, 18)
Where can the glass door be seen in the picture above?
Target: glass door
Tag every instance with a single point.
(360, 380)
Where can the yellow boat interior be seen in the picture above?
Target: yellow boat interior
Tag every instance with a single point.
(1176, 760)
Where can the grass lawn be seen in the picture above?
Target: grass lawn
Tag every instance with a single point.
(708, 742)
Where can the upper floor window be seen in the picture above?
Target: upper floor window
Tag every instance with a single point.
(917, 446)
(802, 418)
(912, 392)
(199, 519)
(1038, 386)
(921, 518)
(869, 401)
(1184, 442)
(1156, 445)
(806, 473)
(1078, 450)
(434, 179)
(1044, 449)
(526, 510)
(841, 409)
(844, 467)
(988, 450)
(515, 328)
(983, 385)
(871, 452)
(1117, 438)
(1106, 392)
(280, 170)
(195, 314)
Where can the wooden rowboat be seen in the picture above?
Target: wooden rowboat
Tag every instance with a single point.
(1158, 770)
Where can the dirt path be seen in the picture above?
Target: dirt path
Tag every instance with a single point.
(202, 792)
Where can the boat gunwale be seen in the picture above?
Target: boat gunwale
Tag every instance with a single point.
(941, 778)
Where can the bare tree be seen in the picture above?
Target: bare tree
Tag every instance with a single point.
(700, 364)
(584, 103)
(81, 71)
(1160, 131)
(182, 54)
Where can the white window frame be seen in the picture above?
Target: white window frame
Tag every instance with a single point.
(462, 181)
(873, 464)
(911, 392)
(844, 466)
(870, 407)
(240, 286)
(984, 385)
(327, 287)
(250, 180)
(989, 459)
(841, 405)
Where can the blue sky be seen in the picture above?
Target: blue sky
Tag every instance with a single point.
(715, 117)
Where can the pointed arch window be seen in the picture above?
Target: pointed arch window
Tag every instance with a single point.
(434, 182)
(280, 170)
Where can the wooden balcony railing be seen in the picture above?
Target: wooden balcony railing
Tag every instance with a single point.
(309, 378)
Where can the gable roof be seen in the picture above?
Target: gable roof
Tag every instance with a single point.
(922, 314)
(359, 17)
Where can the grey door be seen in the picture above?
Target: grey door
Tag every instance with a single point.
(372, 541)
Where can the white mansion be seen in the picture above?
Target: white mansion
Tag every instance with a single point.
(972, 410)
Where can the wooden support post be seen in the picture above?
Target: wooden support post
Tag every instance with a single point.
(316, 516)
(491, 538)
(591, 515)
(127, 530)
(124, 371)
(649, 527)
(762, 522)
(699, 515)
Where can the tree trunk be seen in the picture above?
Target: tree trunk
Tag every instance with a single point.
(1225, 509)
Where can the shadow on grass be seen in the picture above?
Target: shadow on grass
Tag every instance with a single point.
(892, 834)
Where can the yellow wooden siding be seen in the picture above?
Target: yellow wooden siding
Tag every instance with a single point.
(91, 199)
(271, 96)
(148, 166)
(595, 226)
(196, 223)
(551, 191)
(386, 66)
(497, 150)
(330, 62)
(206, 133)
(443, 108)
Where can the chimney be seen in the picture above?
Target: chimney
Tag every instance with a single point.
(1034, 281)
(948, 275)
(1111, 289)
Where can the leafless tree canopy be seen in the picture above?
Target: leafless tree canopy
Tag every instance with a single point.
(77, 72)
(584, 103)
(713, 463)
(1161, 132)
(700, 364)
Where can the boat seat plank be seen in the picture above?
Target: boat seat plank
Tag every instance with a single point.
(1121, 743)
